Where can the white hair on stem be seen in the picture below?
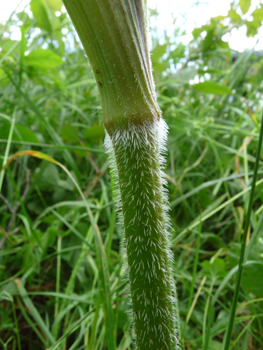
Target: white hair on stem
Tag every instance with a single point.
(136, 155)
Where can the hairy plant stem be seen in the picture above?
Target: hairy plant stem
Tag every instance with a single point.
(114, 37)
(134, 155)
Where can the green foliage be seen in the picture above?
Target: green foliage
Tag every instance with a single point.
(94, 134)
(215, 270)
(252, 278)
(244, 5)
(50, 262)
(44, 13)
(212, 88)
(45, 59)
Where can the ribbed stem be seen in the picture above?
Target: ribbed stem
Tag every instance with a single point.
(114, 37)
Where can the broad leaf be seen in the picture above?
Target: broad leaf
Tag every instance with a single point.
(94, 134)
(244, 5)
(252, 27)
(258, 14)
(235, 17)
(212, 88)
(215, 270)
(159, 67)
(42, 14)
(69, 133)
(158, 52)
(252, 278)
(21, 133)
(41, 58)
(54, 4)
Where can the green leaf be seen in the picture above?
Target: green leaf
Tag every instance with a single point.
(212, 88)
(196, 32)
(42, 14)
(69, 133)
(258, 14)
(9, 288)
(50, 178)
(25, 134)
(94, 134)
(159, 67)
(21, 133)
(244, 5)
(214, 345)
(252, 278)
(81, 154)
(223, 45)
(218, 18)
(212, 71)
(54, 4)
(23, 16)
(235, 17)
(252, 27)
(215, 270)
(255, 254)
(178, 52)
(185, 75)
(41, 58)
(158, 52)
(207, 43)
(212, 239)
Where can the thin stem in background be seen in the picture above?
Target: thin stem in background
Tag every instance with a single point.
(8, 145)
(193, 278)
(59, 243)
(243, 245)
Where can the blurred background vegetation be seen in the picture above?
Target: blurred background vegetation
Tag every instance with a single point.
(50, 266)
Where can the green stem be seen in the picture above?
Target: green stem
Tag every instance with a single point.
(114, 36)
(59, 243)
(115, 39)
(134, 156)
